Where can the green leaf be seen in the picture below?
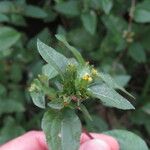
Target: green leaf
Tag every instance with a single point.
(6, 131)
(3, 18)
(34, 11)
(68, 8)
(8, 37)
(51, 56)
(97, 124)
(11, 106)
(109, 97)
(122, 80)
(146, 108)
(56, 104)
(89, 21)
(106, 5)
(58, 126)
(71, 48)
(128, 140)
(70, 127)
(142, 12)
(6, 6)
(111, 22)
(85, 111)
(111, 83)
(137, 52)
(49, 71)
(38, 99)
(51, 125)
(18, 20)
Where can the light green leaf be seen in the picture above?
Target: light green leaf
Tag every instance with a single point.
(106, 5)
(71, 48)
(70, 127)
(58, 126)
(49, 71)
(122, 80)
(89, 21)
(137, 52)
(8, 37)
(68, 8)
(34, 11)
(3, 18)
(51, 56)
(111, 83)
(128, 140)
(109, 97)
(142, 12)
(56, 104)
(38, 99)
(51, 125)
(6, 6)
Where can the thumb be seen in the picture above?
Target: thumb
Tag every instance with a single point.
(95, 144)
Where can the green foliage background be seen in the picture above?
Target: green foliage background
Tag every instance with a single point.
(113, 35)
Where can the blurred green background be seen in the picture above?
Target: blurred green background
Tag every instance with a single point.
(114, 35)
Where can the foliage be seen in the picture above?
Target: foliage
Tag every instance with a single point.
(112, 35)
(78, 81)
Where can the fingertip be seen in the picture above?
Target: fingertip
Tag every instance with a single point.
(38, 137)
(95, 144)
(112, 142)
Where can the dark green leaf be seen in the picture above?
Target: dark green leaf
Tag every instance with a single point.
(110, 97)
(97, 124)
(142, 12)
(89, 21)
(128, 140)
(8, 37)
(85, 111)
(69, 8)
(137, 52)
(7, 133)
(10, 106)
(146, 108)
(34, 11)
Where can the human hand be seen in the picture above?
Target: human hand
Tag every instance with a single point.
(35, 140)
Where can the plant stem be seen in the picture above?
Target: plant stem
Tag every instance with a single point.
(87, 133)
(131, 14)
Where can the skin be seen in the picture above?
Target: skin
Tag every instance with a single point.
(35, 140)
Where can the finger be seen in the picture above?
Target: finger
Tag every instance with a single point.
(95, 144)
(108, 139)
(33, 140)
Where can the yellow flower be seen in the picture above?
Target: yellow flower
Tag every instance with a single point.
(94, 72)
(87, 77)
(32, 88)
